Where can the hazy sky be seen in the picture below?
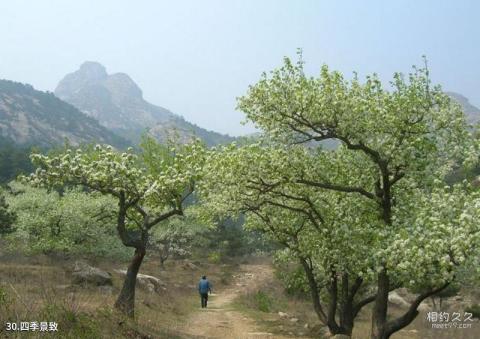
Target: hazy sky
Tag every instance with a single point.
(196, 57)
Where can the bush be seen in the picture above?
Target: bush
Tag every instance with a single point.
(474, 309)
(263, 301)
(215, 257)
(291, 274)
(74, 223)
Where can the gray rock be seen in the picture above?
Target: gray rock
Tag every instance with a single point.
(147, 282)
(84, 273)
(189, 265)
(397, 300)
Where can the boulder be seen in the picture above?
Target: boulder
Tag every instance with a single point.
(282, 314)
(395, 299)
(294, 320)
(147, 282)
(84, 273)
(187, 265)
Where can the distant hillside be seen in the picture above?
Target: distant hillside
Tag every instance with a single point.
(31, 117)
(471, 112)
(117, 103)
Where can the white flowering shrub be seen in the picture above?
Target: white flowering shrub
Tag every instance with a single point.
(75, 223)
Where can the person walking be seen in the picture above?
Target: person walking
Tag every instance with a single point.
(204, 287)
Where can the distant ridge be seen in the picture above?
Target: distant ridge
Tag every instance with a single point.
(472, 113)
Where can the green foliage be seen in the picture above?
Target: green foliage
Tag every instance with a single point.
(173, 237)
(291, 274)
(215, 257)
(474, 309)
(375, 204)
(7, 216)
(75, 222)
(14, 160)
(263, 301)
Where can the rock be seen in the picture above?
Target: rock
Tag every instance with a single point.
(189, 265)
(148, 282)
(282, 314)
(397, 300)
(341, 336)
(305, 326)
(423, 307)
(84, 273)
(294, 320)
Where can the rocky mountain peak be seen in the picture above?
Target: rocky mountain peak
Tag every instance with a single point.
(122, 86)
(92, 70)
(117, 102)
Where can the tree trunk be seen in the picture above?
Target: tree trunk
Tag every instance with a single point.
(162, 263)
(126, 300)
(327, 319)
(379, 315)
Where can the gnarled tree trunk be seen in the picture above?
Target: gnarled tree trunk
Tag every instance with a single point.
(126, 300)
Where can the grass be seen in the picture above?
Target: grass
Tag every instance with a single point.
(264, 304)
(36, 289)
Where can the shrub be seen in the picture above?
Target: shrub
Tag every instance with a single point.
(215, 257)
(263, 301)
(474, 309)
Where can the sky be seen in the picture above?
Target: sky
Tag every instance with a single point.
(196, 57)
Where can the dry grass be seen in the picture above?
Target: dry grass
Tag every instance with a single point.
(273, 295)
(40, 289)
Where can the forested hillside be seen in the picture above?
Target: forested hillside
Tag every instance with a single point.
(30, 117)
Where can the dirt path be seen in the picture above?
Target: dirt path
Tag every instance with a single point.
(220, 320)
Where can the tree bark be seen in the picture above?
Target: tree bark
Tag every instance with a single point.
(314, 291)
(126, 300)
(403, 321)
(329, 319)
(379, 315)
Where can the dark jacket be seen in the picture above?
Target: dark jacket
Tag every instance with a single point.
(204, 286)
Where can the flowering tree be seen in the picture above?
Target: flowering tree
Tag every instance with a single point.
(397, 146)
(147, 191)
(172, 238)
(325, 231)
(72, 223)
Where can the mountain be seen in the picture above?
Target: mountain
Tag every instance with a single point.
(117, 102)
(471, 112)
(31, 117)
